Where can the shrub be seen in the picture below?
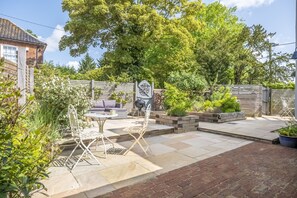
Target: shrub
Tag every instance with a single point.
(176, 102)
(290, 85)
(55, 96)
(25, 154)
(221, 101)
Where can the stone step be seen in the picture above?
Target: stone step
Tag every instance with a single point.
(241, 136)
(69, 144)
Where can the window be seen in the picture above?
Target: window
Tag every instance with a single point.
(10, 53)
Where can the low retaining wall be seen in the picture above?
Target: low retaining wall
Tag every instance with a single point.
(180, 124)
(219, 117)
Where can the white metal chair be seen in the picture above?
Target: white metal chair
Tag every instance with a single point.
(79, 137)
(286, 110)
(137, 132)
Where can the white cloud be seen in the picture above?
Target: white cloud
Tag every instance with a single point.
(74, 64)
(53, 40)
(240, 4)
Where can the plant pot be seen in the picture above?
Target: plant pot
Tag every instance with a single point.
(288, 141)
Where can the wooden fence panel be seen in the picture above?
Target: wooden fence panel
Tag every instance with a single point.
(250, 98)
(276, 103)
(10, 68)
(107, 88)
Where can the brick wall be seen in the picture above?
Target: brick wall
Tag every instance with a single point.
(32, 52)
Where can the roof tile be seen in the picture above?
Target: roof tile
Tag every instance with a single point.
(9, 31)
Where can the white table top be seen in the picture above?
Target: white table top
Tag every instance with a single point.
(97, 115)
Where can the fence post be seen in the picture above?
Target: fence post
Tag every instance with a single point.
(153, 98)
(31, 78)
(135, 93)
(22, 74)
(92, 89)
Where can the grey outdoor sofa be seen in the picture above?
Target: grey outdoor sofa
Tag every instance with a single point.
(101, 106)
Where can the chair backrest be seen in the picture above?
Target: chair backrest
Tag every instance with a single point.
(146, 116)
(73, 121)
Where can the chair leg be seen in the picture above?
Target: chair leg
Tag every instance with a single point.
(111, 142)
(105, 150)
(135, 142)
(71, 154)
(147, 145)
(144, 150)
(89, 151)
(86, 150)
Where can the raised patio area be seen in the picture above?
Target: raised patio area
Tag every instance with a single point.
(169, 151)
(253, 128)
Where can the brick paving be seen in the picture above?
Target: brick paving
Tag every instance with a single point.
(254, 170)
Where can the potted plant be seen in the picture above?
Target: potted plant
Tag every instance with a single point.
(288, 135)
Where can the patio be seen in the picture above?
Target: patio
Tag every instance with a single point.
(169, 151)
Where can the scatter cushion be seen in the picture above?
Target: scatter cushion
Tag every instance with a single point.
(109, 103)
(98, 104)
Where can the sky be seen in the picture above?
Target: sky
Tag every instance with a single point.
(274, 15)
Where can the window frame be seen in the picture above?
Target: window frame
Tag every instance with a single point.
(7, 45)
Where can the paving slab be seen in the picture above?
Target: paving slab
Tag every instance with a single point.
(256, 129)
(168, 152)
(255, 170)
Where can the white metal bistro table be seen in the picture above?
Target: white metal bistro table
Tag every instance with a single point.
(101, 118)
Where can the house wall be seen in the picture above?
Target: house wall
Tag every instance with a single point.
(32, 51)
(29, 56)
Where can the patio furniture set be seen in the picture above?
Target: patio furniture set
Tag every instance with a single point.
(81, 136)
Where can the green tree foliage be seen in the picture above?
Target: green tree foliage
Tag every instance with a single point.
(257, 62)
(48, 70)
(131, 32)
(86, 64)
(149, 39)
(191, 83)
(31, 32)
(217, 43)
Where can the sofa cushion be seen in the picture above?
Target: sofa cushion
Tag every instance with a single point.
(98, 104)
(97, 109)
(109, 103)
(116, 109)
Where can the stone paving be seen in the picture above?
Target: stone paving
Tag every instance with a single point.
(258, 128)
(167, 152)
(255, 170)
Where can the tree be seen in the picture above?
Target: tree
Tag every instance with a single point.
(130, 30)
(86, 64)
(257, 62)
(31, 32)
(217, 43)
